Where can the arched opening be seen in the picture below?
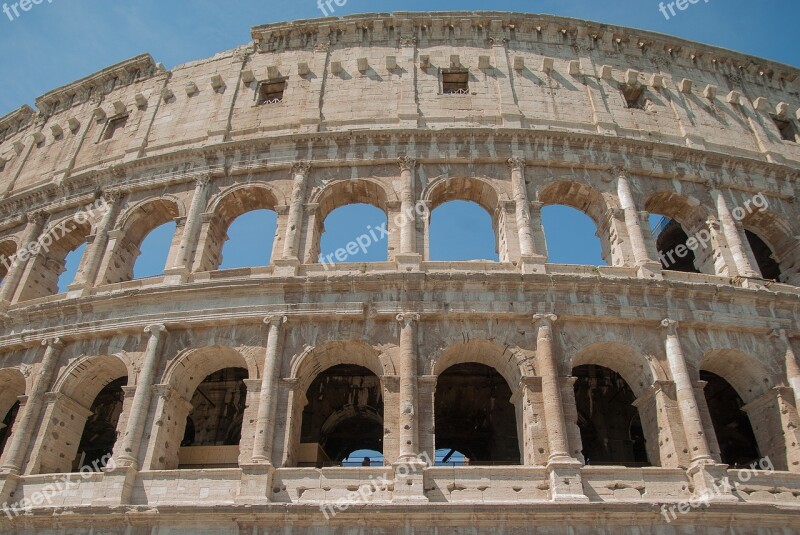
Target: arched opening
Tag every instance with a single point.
(8, 250)
(12, 386)
(682, 235)
(91, 401)
(155, 251)
(671, 244)
(243, 231)
(100, 432)
(462, 230)
(474, 415)
(572, 236)
(610, 426)
(767, 265)
(735, 436)
(251, 238)
(354, 233)
(213, 427)
(344, 415)
(56, 267)
(148, 238)
(7, 426)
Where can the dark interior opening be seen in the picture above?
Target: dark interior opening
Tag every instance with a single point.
(770, 269)
(100, 432)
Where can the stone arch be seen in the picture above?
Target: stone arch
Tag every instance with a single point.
(8, 248)
(337, 194)
(61, 237)
(639, 372)
(692, 217)
(182, 377)
(310, 363)
(507, 360)
(71, 400)
(745, 373)
(585, 198)
(134, 226)
(782, 238)
(12, 386)
(223, 210)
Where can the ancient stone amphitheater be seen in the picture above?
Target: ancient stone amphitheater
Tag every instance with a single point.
(657, 394)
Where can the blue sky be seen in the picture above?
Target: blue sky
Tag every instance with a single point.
(59, 42)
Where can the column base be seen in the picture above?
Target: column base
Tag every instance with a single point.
(255, 486)
(286, 267)
(117, 487)
(566, 484)
(409, 481)
(8, 486)
(408, 261)
(711, 482)
(751, 283)
(175, 276)
(532, 264)
(650, 271)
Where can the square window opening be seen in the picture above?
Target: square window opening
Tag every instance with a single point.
(787, 129)
(634, 96)
(455, 82)
(271, 92)
(114, 125)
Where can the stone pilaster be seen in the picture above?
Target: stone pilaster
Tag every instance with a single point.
(97, 248)
(11, 282)
(530, 260)
(267, 403)
(191, 228)
(408, 257)
(648, 267)
(291, 243)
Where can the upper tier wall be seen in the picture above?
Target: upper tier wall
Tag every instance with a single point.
(384, 72)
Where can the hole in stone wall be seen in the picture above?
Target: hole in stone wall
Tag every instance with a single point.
(770, 269)
(671, 243)
(100, 431)
(155, 248)
(455, 82)
(7, 426)
(571, 237)
(271, 92)
(634, 96)
(462, 230)
(611, 429)
(482, 424)
(251, 237)
(114, 126)
(217, 410)
(354, 233)
(71, 266)
(344, 416)
(737, 442)
(787, 129)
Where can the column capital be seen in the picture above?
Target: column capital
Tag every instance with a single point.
(56, 343)
(669, 324)
(407, 163)
(37, 218)
(516, 163)
(275, 320)
(407, 318)
(202, 180)
(301, 167)
(156, 329)
(547, 319)
(616, 171)
(113, 196)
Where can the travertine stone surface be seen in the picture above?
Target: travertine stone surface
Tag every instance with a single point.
(522, 137)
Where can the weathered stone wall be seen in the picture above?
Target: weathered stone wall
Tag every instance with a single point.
(544, 122)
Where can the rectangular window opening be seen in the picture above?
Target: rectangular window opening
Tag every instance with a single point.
(634, 96)
(271, 92)
(787, 129)
(113, 126)
(455, 82)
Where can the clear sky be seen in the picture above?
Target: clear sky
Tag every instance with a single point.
(60, 41)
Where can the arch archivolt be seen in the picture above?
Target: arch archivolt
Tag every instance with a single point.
(342, 192)
(85, 376)
(140, 217)
(512, 362)
(238, 199)
(482, 190)
(191, 366)
(313, 360)
(12, 385)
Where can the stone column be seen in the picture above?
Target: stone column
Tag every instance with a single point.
(36, 221)
(426, 389)
(551, 390)
(28, 419)
(183, 260)
(267, 402)
(633, 223)
(291, 243)
(699, 451)
(97, 249)
(408, 257)
(731, 232)
(409, 424)
(792, 368)
(523, 215)
(132, 439)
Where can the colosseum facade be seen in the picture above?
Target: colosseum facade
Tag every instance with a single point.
(633, 397)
